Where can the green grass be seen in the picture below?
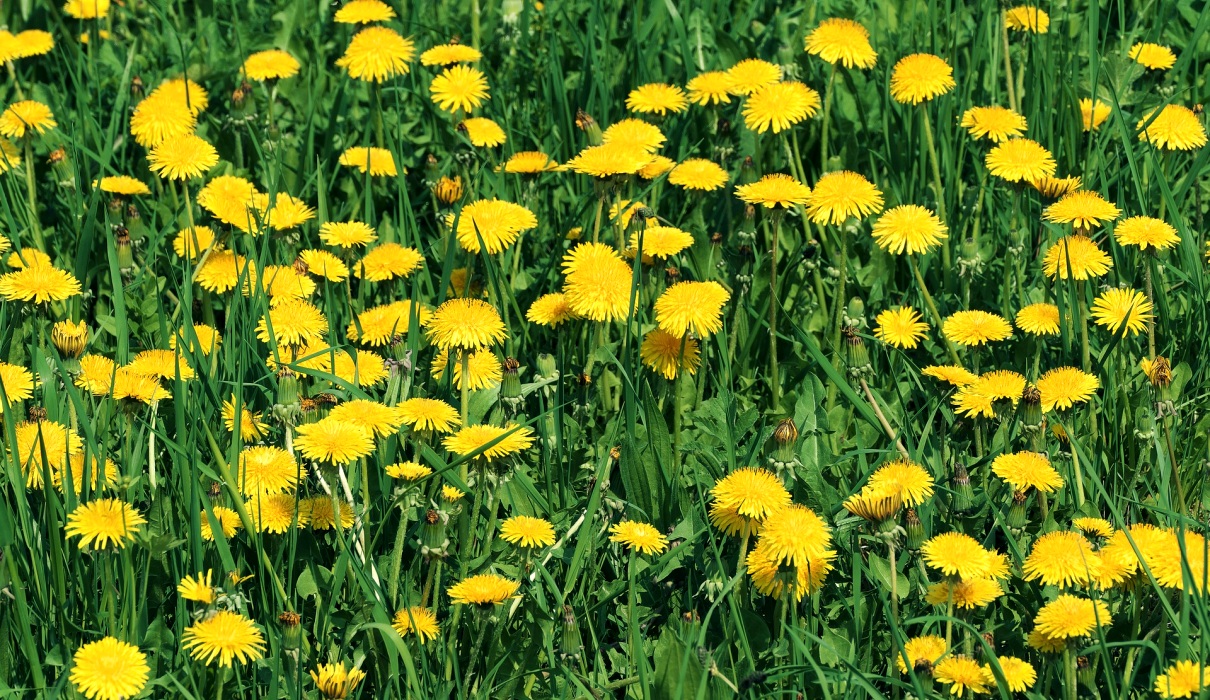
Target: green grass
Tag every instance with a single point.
(591, 620)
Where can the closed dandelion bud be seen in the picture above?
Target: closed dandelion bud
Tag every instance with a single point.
(136, 88)
(747, 172)
(69, 338)
(288, 387)
(134, 224)
(448, 189)
(510, 387)
(858, 359)
(855, 313)
(239, 96)
(215, 493)
(431, 170)
(672, 273)
(571, 645)
(291, 629)
(60, 165)
(308, 411)
(1160, 373)
(914, 528)
(1018, 516)
(585, 123)
(1030, 410)
(716, 239)
(434, 544)
(121, 239)
(324, 403)
(36, 414)
(1085, 673)
(964, 495)
(115, 206)
(785, 440)
(547, 366)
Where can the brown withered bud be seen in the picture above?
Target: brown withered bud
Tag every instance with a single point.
(716, 238)
(431, 516)
(57, 155)
(300, 266)
(511, 365)
(37, 414)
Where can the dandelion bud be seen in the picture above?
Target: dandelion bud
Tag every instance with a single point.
(1160, 372)
(121, 237)
(716, 239)
(724, 127)
(571, 646)
(673, 273)
(448, 189)
(1085, 673)
(288, 387)
(239, 96)
(434, 544)
(215, 493)
(36, 414)
(1030, 410)
(747, 171)
(914, 528)
(431, 168)
(785, 439)
(547, 366)
(115, 206)
(60, 164)
(136, 88)
(291, 629)
(585, 123)
(69, 338)
(510, 387)
(857, 357)
(1018, 516)
(308, 411)
(964, 495)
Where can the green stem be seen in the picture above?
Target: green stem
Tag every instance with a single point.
(1151, 299)
(1069, 674)
(1008, 68)
(397, 557)
(31, 191)
(827, 117)
(940, 189)
(932, 307)
(774, 376)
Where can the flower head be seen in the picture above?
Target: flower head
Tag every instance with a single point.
(87, 9)
(109, 669)
(27, 117)
(550, 310)
(448, 54)
(459, 88)
(1062, 559)
(1076, 256)
(920, 77)
(698, 174)
(950, 374)
(1183, 679)
(527, 531)
(1027, 470)
(634, 133)
(1122, 307)
(597, 282)
(417, 620)
(775, 190)
(483, 369)
(530, 163)
(669, 355)
(334, 441)
(1027, 18)
(1069, 616)
(226, 636)
(1175, 128)
(495, 222)
(956, 554)
(908, 228)
(123, 185)
(639, 537)
(483, 590)
(364, 12)
(1038, 319)
(750, 493)
(904, 478)
(709, 88)
(901, 327)
(292, 323)
(921, 650)
(841, 195)
(657, 98)
(1020, 160)
(779, 106)
(334, 682)
(843, 41)
(1093, 114)
(695, 307)
(377, 161)
(973, 328)
(104, 522)
(274, 64)
(467, 324)
(39, 284)
(750, 74)
(659, 242)
(1063, 387)
(1153, 56)
(994, 123)
(423, 414)
(199, 589)
(965, 594)
(182, 157)
(488, 442)
(1146, 232)
(376, 54)
(962, 673)
(609, 160)
(1083, 210)
(380, 325)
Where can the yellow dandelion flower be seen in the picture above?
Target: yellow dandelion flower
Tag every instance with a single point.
(1069, 616)
(483, 590)
(750, 74)
(901, 327)
(1063, 387)
(597, 282)
(526, 531)
(691, 307)
(775, 190)
(1020, 160)
(39, 284)
(908, 228)
(448, 54)
(709, 88)
(108, 669)
(657, 98)
(482, 132)
(1093, 114)
(550, 310)
(376, 54)
(843, 41)
(669, 355)
(182, 157)
(973, 328)
(226, 636)
(377, 161)
(962, 673)
(1083, 210)
(841, 195)
(994, 123)
(459, 88)
(1027, 18)
(27, 117)
(274, 64)
(1153, 56)
(1078, 256)
(921, 651)
(1176, 128)
(104, 522)
(964, 594)
(1117, 307)
(1146, 232)
(698, 174)
(530, 163)
(1038, 319)
(920, 77)
(364, 12)
(950, 374)
(1183, 679)
(638, 537)
(609, 160)
(634, 133)
(489, 442)
(417, 620)
(779, 106)
(495, 223)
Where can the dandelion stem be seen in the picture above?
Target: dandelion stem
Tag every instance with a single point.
(886, 425)
(397, 556)
(932, 307)
(1008, 67)
(31, 192)
(940, 189)
(1069, 673)
(1151, 299)
(774, 377)
(827, 117)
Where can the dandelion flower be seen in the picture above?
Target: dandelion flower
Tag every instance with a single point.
(908, 228)
(1045, 643)
(226, 636)
(364, 12)
(459, 88)
(1093, 527)
(973, 328)
(1027, 470)
(1056, 187)
(1118, 307)
(956, 554)
(275, 513)
(950, 374)
(381, 420)
(596, 284)
(380, 325)
(526, 531)
(997, 124)
(292, 323)
(164, 364)
(1076, 255)
(698, 174)
(779, 106)
(638, 537)
(489, 442)
(333, 441)
(709, 88)
(530, 163)
(841, 195)
(104, 522)
(378, 161)
(88, 9)
(750, 492)
(901, 327)
(182, 157)
(920, 77)
(1153, 56)
(123, 185)
(191, 242)
(1020, 160)
(417, 620)
(1062, 559)
(26, 44)
(274, 64)
(494, 222)
(927, 649)
(39, 284)
(964, 594)
(1083, 210)
(1093, 114)
(1019, 675)
(334, 682)
(634, 133)
(228, 522)
(319, 512)
(770, 577)
(691, 307)
(1069, 616)
(347, 234)
(657, 98)
(449, 54)
(751, 74)
(266, 469)
(483, 590)
(843, 41)
(251, 427)
(775, 190)
(1027, 18)
(108, 669)
(182, 91)
(550, 310)
(466, 324)
(1183, 679)
(1064, 387)
(904, 478)
(199, 589)
(1179, 561)
(962, 673)
(16, 382)
(388, 261)
(1038, 319)
(408, 471)
(376, 54)
(668, 355)
(1176, 128)
(1146, 232)
(24, 118)
(660, 242)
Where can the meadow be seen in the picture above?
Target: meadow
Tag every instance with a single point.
(594, 349)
